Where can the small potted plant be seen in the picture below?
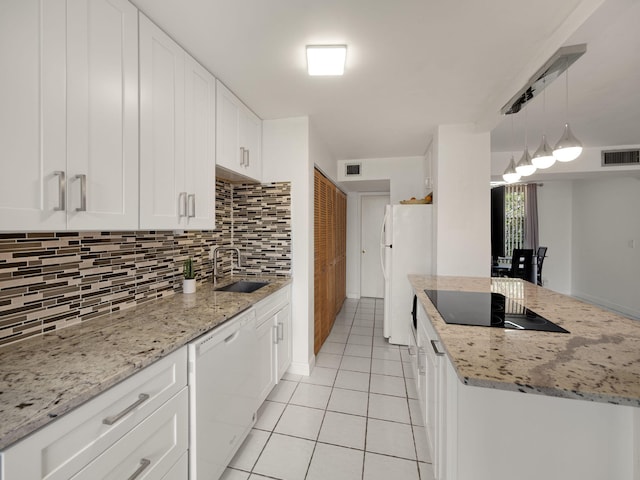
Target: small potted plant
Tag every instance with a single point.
(189, 281)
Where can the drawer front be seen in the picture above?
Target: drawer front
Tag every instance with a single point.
(180, 470)
(64, 447)
(269, 306)
(149, 451)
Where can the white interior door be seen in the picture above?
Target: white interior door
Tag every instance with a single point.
(371, 216)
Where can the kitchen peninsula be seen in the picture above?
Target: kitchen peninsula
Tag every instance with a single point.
(508, 403)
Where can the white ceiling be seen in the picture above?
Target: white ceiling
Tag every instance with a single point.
(604, 88)
(411, 64)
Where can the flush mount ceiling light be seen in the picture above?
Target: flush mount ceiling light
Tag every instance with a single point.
(326, 60)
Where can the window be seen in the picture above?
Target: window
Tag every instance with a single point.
(514, 217)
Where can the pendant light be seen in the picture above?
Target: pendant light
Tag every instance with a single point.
(543, 156)
(568, 147)
(510, 175)
(524, 166)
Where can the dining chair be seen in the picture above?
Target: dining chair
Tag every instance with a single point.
(521, 263)
(540, 255)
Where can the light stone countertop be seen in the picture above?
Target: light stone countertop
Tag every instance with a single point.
(44, 377)
(599, 360)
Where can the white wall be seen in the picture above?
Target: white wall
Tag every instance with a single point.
(461, 171)
(555, 224)
(320, 156)
(406, 179)
(405, 174)
(606, 242)
(285, 154)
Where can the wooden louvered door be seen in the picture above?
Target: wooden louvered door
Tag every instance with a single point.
(330, 214)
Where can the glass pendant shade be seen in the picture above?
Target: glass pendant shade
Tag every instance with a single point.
(510, 175)
(543, 156)
(568, 147)
(524, 166)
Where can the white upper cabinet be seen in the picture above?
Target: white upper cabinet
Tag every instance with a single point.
(238, 136)
(69, 122)
(102, 115)
(177, 127)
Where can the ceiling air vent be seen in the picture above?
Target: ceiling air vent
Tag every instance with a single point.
(612, 158)
(353, 169)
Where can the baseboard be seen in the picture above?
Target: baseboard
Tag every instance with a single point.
(614, 307)
(353, 295)
(299, 368)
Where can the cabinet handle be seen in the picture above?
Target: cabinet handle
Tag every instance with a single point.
(275, 334)
(421, 367)
(83, 193)
(144, 463)
(280, 331)
(62, 191)
(182, 204)
(143, 397)
(191, 200)
(242, 156)
(248, 162)
(435, 348)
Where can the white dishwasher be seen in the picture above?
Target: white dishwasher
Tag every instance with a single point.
(222, 394)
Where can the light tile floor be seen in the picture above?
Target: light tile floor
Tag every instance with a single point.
(355, 417)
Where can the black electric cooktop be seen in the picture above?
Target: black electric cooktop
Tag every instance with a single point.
(487, 309)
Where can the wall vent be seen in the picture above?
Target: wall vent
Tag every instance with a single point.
(353, 169)
(612, 158)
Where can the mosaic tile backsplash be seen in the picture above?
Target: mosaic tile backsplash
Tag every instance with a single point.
(56, 279)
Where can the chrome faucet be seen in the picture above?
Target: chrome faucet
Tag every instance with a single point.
(215, 260)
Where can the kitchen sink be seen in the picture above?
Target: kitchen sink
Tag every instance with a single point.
(242, 286)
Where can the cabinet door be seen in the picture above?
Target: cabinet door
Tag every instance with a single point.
(283, 332)
(32, 116)
(266, 374)
(227, 130)
(251, 141)
(163, 200)
(102, 115)
(200, 162)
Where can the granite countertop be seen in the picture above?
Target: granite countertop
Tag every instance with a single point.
(599, 360)
(44, 377)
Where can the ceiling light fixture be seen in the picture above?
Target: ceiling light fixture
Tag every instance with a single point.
(543, 156)
(510, 175)
(326, 60)
(568, 147)
(524, 166)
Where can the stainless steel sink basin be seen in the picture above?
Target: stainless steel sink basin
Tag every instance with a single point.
(242, 286)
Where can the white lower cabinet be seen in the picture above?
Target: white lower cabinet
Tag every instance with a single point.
(70, 444)
(274, 340)
(149, 450)
(266, 331)
(478, 433)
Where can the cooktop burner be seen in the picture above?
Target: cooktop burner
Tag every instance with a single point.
(487, 309)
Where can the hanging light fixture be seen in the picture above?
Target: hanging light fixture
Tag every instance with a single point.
(510, 175)
(543, 156)
(568, 147)
(524, 166)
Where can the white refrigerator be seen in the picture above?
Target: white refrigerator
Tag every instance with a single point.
(406, 243)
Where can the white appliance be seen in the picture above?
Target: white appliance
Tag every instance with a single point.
(223, 395)
(406, 242)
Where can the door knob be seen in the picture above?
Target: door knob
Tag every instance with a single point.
(364, 251)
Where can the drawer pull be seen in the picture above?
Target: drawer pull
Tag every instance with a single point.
(144, 463)
(435, 348)
(143, 397)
